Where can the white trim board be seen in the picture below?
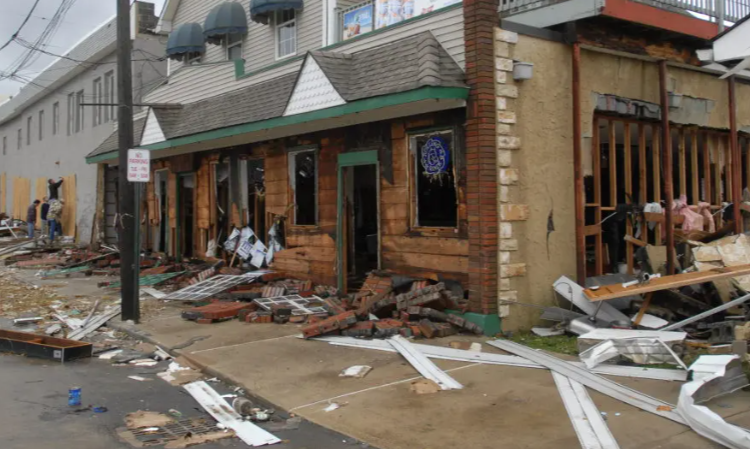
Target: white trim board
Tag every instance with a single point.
(422, 364)
(588, 423)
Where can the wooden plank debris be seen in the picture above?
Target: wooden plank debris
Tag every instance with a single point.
(606, 292)
(94, 324)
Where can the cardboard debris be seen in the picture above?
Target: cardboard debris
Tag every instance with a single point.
(424, 386)
(140, 419)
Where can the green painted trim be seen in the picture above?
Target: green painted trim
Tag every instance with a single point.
(358, 158)
(347, 160)
(367, 104)
(490, 323)
(239, 64)
(101, 157)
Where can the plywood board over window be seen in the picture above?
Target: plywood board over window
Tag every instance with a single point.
(21, 197)
(70, 208)
(3, 193)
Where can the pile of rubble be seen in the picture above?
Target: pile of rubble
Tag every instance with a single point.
(385, 306)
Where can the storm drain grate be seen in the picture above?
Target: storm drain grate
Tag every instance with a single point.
(175, 430)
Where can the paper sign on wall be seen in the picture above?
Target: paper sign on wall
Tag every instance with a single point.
(139, 165)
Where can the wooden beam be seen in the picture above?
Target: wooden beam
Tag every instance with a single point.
(628, 193)
(612, 164)
(716, 154)
(614, 291)
(706, 168)
(578, 168)
(644, 307)
(682, 162)
(695, 174)
(642, 174)
(736, 157)
(667, 145)
(656, 165)
(592, 230)
(635, 241)
(597, 162)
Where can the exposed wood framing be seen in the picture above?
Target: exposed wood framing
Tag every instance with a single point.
(736, 167)
(667, 145)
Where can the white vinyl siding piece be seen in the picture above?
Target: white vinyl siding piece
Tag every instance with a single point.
(217, 76)
(422, 364)
(587, 421)
(152, 133)
(217, 407)
(313, 91)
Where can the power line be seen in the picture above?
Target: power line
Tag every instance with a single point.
(14, 35)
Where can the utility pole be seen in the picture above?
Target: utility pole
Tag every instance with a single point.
(129, 223)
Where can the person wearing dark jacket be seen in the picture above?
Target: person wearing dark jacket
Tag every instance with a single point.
(54, 188)
(31, 218)
(45, 211)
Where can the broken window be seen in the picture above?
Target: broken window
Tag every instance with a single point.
(303, 175)
(434, 179)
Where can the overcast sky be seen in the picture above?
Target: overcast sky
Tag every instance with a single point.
(83, 17)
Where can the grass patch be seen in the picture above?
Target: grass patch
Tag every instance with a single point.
(562, 344)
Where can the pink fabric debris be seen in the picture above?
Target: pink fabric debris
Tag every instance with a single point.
(693, 221)
(708, 219)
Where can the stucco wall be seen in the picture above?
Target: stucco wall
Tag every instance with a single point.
(545, 162)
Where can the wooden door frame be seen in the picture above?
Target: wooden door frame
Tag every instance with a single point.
(352, 160)
(178, 212)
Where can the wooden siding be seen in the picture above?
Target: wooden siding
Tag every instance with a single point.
(195, 83)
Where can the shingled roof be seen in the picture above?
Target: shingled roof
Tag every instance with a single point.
(112, 142)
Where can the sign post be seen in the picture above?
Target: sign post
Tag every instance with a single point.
(139, 172)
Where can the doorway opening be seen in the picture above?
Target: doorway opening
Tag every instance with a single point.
(255, 202)
(186, 215)
(361, 217)
(160, 185)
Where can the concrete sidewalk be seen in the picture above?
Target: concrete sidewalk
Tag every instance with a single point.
(500, 406)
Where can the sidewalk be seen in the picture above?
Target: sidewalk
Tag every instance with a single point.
(500, 406)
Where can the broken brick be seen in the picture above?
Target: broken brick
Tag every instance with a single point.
(332, 324)
(362, 329)
(297, 319)
(215, 311)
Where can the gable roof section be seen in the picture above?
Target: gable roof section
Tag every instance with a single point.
(312, 90)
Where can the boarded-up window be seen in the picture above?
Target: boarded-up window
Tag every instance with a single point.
(434, 179)
(303, 174)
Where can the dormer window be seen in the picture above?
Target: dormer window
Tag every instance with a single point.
(286, 33)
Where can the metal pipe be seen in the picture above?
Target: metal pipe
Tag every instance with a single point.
(578, 168)
(666, 146)
(736, 165)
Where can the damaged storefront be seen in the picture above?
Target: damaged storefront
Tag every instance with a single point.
(354, 164)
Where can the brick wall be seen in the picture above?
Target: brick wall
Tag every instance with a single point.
(480, 20)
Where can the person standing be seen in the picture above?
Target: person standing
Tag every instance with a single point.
(54, 188)
(45, 210)
(31, 218)
(55, 211)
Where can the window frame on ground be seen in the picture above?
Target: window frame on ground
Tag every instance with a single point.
(41, 125)
(232, 42)
(296, 193)
(55, 117)
(418, 220)
(286, 18)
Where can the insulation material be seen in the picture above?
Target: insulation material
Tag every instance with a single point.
(68, 194)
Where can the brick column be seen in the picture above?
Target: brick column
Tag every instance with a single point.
(480, 20)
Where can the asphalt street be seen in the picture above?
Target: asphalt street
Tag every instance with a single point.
(35, 412)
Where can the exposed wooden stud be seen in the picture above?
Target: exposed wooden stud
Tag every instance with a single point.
(612, 164)
(682, 161)
(736, 167)
(707, 197)
(656, 164)
(728, 169)
(718, 191)
(642, 175)
(597, 161)
(578, 168)
(695, 174)
(747, 162)
(667, 145)
(628, 193)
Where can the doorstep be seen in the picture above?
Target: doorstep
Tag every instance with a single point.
(518, 406)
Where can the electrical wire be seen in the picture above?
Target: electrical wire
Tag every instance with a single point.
(14, 35)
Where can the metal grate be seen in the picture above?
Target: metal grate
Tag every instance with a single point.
(298, 304)
(212, 286)
(175, 430)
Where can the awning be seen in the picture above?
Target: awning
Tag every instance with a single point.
(260, 10)
(225, 18)
(186, 39)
